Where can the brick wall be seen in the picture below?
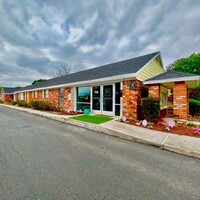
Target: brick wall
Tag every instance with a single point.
(54, 97)
(68, 101)
(154, 91)
(30, 97)
(8, 97)
(180, 100)
(131, 99)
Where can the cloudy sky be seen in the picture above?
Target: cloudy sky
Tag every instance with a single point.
(38, 35)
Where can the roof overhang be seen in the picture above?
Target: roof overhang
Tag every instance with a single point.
(191, 81)
(84, 83)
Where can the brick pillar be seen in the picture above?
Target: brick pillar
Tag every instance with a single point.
(131, 99)
(68, 102)
(180, 100)
(54, 97)
(154, 91)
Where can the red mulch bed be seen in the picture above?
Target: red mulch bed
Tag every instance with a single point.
(177, 129)
(70, 113)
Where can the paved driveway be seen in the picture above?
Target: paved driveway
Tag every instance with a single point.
(44, 159)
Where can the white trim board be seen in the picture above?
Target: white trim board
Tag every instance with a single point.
(89, 82)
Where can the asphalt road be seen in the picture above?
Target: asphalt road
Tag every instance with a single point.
(42, 159)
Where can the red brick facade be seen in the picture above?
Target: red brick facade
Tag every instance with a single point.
(131, 99)
(154, 91)
(7, 97)
(68, 103)
(180, 100)
(54, 97)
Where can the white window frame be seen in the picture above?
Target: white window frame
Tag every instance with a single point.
(34, 94)
(45, 93)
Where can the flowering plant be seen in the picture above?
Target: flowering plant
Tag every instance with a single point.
(197, 130)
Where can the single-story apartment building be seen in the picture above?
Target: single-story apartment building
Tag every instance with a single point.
(7, 94)
(114, 89)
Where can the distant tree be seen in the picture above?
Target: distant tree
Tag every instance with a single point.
(190, 64)
(1, 87)
(18, 87)
(38, 81)
(65, 69)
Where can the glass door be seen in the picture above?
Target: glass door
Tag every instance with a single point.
(108, 100)
(96, 99)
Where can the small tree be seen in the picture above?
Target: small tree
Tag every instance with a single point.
(38, 81)
(191, 64)
(150, 108)
(65, 69)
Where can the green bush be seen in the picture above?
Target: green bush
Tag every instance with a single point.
(40, 105)
(43, 105)
(13, 103)
(150, 108)
(194, 93)
(21, 103)
(194, 107)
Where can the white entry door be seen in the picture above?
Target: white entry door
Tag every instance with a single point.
(103, 99)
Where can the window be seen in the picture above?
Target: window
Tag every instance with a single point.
(34, 94)
(45, 93)
(163, 99)
(21, 96)
(82, 98)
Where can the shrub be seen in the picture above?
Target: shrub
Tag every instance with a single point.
(43, 105)
(150, 108)
(13, 103)
(21, 103)
(40, 105)
(1, 101)
(194, 93)
(194, 107)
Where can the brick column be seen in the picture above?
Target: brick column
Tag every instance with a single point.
(54, 97)
(180, 100)
(131, 99)
(68, 103)
(154, 91)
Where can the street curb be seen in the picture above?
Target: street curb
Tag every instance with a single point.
(90, 126)
(100, 129)
(182, 151)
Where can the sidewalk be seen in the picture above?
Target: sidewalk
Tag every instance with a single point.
(180, 144)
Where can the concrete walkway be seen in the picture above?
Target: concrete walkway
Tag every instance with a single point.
(180, 144)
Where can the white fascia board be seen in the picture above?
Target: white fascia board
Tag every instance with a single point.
(191, 78)
(158, 54)
(89, 82)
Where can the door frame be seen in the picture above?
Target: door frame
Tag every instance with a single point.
(111, 113)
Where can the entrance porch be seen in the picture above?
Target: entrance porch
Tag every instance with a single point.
(171, 88)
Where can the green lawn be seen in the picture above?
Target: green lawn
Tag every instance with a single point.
(92, 118)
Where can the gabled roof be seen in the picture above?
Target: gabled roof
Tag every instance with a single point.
(130, 66)
(172, 75)
(9, 90)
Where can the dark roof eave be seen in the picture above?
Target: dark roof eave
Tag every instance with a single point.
(172, 80)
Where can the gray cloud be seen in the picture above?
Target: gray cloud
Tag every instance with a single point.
(36, 36)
